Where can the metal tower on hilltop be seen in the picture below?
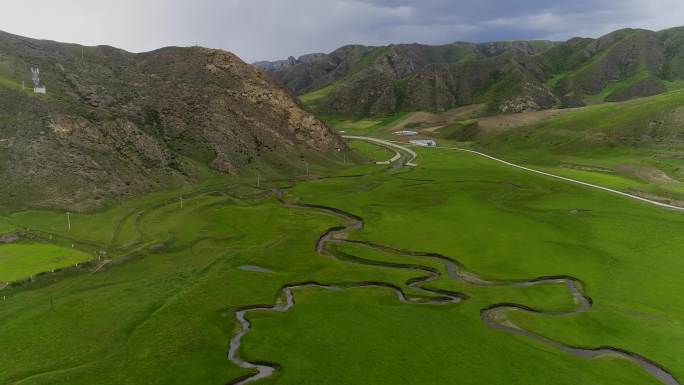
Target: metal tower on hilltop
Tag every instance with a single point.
(35, 76)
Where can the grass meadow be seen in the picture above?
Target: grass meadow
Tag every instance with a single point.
(162, 312)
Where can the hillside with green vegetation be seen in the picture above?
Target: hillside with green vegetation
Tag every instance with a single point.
(635, 146)
(508, 77)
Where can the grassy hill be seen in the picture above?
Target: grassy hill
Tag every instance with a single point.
(636, 146)
(513, 76)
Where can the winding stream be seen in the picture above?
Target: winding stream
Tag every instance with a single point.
(495, 316)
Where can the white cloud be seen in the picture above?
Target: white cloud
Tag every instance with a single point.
(269, 29)
(545, 21)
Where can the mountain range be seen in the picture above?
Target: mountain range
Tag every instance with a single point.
(115, 124)
(508, 76)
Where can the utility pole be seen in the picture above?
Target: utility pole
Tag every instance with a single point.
(307, 167)
(68, 221)
(181, 201)
(258, 180)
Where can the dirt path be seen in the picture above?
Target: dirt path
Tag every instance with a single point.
(101, 265)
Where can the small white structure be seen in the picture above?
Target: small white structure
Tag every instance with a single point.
(37, 87)
(424, 143)
(406, 133)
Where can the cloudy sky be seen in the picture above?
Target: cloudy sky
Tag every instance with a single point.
(273, 29)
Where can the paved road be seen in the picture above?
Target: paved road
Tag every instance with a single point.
(591, 185)
(412, 154)
(395, 145)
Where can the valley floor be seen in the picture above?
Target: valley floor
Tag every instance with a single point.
(478, 243)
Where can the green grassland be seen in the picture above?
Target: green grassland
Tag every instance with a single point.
(10, 83)
(19, 261)
(369, 337)
(553, 297)
(162, 312)
(674, 85)
(6, 226)
(365, 126)
(371, 152)
(503, 223)
(634, 146)
(312, 99)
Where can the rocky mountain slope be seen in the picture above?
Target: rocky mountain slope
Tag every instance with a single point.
(507, 76)
(115, 124)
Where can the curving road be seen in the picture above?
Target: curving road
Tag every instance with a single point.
(566, 179)
(586, 184)
(394, 146)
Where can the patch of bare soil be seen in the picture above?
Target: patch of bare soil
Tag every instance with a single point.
(8, 238)
(586, 168)
(658, 198)
(430, 121)
(671, 155)
(497, 123)
(649, 174)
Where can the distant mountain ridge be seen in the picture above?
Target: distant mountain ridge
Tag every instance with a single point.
(115, 124)
(509, 76)
(271, 66)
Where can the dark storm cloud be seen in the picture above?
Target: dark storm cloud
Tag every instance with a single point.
(270, 29)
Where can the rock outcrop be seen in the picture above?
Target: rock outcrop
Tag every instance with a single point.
(116, 124)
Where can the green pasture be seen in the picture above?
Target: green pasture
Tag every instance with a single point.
(18, 261)
(163, 311)
(6, 226)
(505, 223)
(312, 99)
(364, 126)
(632, 146)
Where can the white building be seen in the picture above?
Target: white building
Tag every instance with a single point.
(424, 143)
(40, 90)
(406, 133)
